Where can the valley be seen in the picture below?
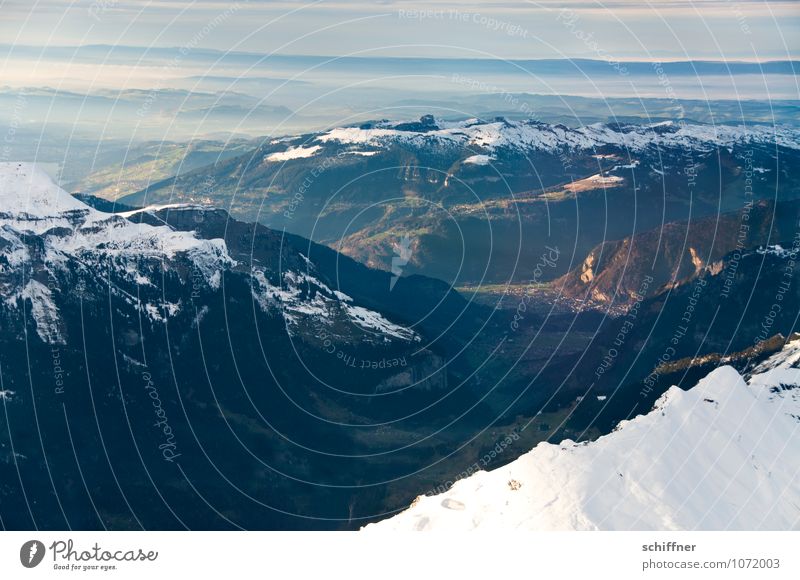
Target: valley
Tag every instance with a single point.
(380, 310)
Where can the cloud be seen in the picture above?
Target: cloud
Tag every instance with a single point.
(718, 29)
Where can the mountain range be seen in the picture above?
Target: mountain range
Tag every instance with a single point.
(185, 357)
(479, 201)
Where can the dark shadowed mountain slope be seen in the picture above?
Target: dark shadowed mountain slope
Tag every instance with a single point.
(734, 304)
(211, 374)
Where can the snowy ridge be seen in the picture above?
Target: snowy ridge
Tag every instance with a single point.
(43, 310)
(722, 455)
(775, 250)
(42, 228)
(163, 206)
(530, 135)
(302, 296)
(293, 153)
(478, 160)
(45, 231)
(30, 203)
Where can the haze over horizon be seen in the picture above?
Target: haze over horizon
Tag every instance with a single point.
(115, 68)
(625, 29)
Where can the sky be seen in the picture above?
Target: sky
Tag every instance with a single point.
(181, 67)
(618, 29)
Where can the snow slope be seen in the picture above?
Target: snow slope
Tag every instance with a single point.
(304, 300)
(45, 230)
(31, 203)
(723, 455)
(530, 135)
(293, 153)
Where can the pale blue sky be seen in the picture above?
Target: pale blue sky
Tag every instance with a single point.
(622, 29)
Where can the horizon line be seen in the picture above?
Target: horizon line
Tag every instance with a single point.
(629, 60)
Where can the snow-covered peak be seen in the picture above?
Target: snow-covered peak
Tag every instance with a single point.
(530, 135)
(43, 228)
(27, 189)
(33, 204)
(44, 231)
(722, 455)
